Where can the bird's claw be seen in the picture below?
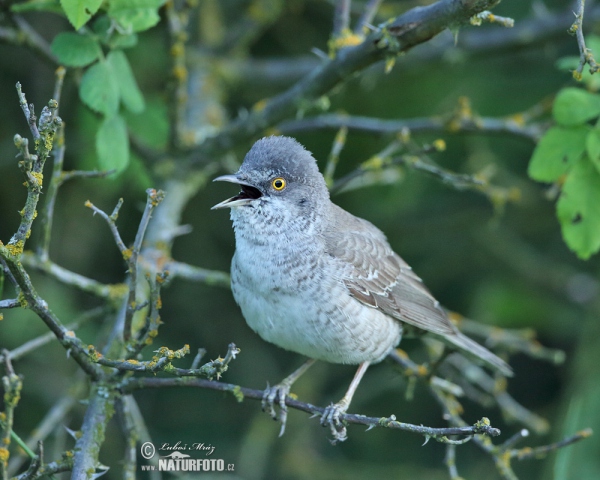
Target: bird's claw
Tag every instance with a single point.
(332, 418)
(279, 392)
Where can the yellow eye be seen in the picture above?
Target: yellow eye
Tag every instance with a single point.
(278, 184)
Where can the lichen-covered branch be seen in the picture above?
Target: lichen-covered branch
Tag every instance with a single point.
(408, 30)
(482, 427)
(12, 385)
(586, 56)
(99, 411)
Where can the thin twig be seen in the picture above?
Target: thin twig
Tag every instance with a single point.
(537, 452)
(42, 340)
(9, 303)
(196, 274)
(367, 17)
(585, 54)
(341, 17)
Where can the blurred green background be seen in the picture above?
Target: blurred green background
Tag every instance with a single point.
(505, 267)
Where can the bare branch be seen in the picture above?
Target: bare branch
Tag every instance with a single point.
(480, 125)
(412, 28)
(528, 453)
(585, 54)
(197, 274)
(368, 15)
(341, 17)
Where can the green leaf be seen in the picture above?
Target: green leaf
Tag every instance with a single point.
(109, 36)
(112, 144)
(578, 209)
(118, 40)
(130, 93)
(556, 152)
(574, 106)
(99, 89)
(74, 50)
(80, 11)
(592, 146)
(152, 127)
(135, 15)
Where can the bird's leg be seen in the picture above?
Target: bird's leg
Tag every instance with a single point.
(280, 391)
(331, 415)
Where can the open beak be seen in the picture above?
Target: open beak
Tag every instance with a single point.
(246, 196)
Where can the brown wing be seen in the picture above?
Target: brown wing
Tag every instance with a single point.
(378, 277)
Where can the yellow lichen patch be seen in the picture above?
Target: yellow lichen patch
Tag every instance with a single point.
(39, 177)
(177, 50)
(346, 39)
(132, 361)
(15, 249)
(22, 300)
(439, 144)
(237, 393)
(1, 317)
(70, 333)
(126, 253)
(422, 370)
(500, 385)
(260, 105)
(4, 454)
(180, 73)
(94, 354)
(455, 318)
(272, 131)
(517, 118)
(117, 291)
(373, 163)
(401, 353)
(88, 204)
(389, 64)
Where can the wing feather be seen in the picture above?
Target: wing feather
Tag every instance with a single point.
(376, 276)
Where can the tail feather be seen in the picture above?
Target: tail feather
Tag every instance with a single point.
(473, 349)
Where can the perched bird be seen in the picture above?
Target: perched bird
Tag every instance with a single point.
(314, 279)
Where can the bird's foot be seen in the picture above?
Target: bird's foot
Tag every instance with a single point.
(332, 418)
(279, 392)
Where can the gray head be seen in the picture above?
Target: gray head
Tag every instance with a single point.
(280, 180)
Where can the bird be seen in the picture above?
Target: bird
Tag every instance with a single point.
(314, 279)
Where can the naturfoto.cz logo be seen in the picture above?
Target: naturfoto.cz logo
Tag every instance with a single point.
(177, 461)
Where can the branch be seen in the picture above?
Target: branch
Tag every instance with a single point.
(410, 29)
(25, 35)
(512, 125)
(87, 447)
(197, 274)
(482, 427)
(12, 385)
(528, 453)
(113, 292)
(585, 54)
(11, 303)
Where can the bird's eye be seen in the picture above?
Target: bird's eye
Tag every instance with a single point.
(278, 184)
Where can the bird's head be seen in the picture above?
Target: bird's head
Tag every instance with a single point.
(280, 182)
